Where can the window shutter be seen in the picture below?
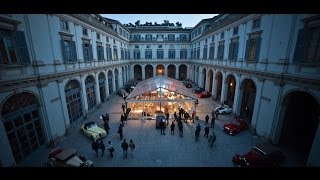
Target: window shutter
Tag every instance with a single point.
(23, 48)
(236, 51)
(73, 51)
(230, 51)
(64, 56)
(298, 51)
(90, 53)
(85, 53)
(258, 45)
(247, 50)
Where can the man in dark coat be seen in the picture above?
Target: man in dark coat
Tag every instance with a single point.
(124, 147)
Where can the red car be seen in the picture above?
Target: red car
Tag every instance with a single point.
(260, 155)
(204, 94)
(235, 126)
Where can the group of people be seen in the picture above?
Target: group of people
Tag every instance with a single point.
(98, 144)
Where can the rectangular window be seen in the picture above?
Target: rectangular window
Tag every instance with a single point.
(64, 25)
(87, 51)
(183, 46)
(84, 31)
(159, 46)
(159, 54)
(107, 39)
(198, 53)
(122, 53)
(115, 53)
(171, 46)
(220, 51)
(98, 36)
(172, 54)
(136, 46)
(235, 30)
(205, 50)
(212, 38)
(136, 54)
(171, 37)
(108, 53)
(253, 48)
(148, 54)
(114, 41)
(211, 53)
(233, 49)
(100, 52)
(183, 54)
(222, 35)
(8, 48)
(149, 37)
(148, 46)
(256, 23)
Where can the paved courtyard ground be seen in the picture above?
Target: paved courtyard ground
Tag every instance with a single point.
(153, 149)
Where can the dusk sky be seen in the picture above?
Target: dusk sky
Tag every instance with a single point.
(187, 20)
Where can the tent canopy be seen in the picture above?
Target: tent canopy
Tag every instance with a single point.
(160, 88)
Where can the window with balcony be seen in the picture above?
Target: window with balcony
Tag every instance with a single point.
(115, 53)
(122, 54)
(100, 53)
(108, 52)
(253, 48)
(211, 53)
(220, 50)
(13, 47)
(307, 48)
(205, 50)
(107, 39)
(198, 53)
(87, 51)
(233, 49)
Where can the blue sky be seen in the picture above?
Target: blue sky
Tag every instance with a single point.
(187, 20)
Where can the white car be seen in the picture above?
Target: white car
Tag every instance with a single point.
(223, 109)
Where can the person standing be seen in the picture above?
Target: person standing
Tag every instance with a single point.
(207, 119)
(132, 146)
(124, 147)
(162, 127)
(213, 119)
(122, 119)
(167, 116)
(172, 128)
(212, 139)
(120, 131)
(206, 131)
(111, 149)
(217, 114)
(181, 129)
(106, 127)
(95, 147)
(193, 116)
(102, 147)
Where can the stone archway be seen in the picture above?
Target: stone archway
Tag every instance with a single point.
(149, 71)
(160, 70)
(249, 90)
(231, 87)
(137, 70)
(219, 85)
(300, 114)
(183, 72)
(172, 71)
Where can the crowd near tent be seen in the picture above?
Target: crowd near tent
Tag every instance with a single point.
(160, 93)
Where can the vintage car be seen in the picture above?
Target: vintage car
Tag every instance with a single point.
(198, 90)
(263, 154)
(204, 94)
(235, 126)
(223, 109)
(67, 158)
(93, 131)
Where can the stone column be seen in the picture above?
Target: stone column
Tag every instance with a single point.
(257, 103)
(223, 90)
(84, 96)
(236, 105)
(97, 91)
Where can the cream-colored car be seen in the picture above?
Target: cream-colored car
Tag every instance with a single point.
(93, 131)
(67, 158)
